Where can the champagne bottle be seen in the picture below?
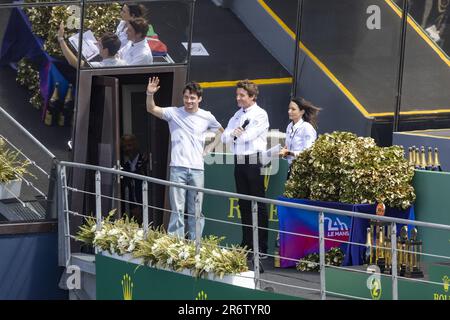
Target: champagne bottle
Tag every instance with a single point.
(410, 157)
(417, 159)
(430, 159)
(53, 106)
(65, 115)
(423, 162)
(437, 164)
(413, 155)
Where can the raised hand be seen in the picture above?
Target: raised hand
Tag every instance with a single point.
(153, 85)
(61, 30)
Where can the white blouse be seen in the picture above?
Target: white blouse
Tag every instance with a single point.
(299, 137)
(138, 53)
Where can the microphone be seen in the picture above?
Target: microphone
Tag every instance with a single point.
(246, 122)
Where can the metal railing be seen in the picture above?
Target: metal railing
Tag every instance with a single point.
(34, 172)
(65, 213)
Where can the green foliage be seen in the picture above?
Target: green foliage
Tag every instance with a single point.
(11, 166)
(333, 257)
(342, 167)
(28, 76)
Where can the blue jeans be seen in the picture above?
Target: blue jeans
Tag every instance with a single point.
(177, 196)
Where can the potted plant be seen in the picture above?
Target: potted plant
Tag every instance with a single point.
(123, 239)
(12, 168)
(347, 172)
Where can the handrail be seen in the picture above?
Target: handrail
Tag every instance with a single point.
(27, 133)
(253, 198)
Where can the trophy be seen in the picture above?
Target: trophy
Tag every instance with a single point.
(380, 250)
(369, 247)
(388, 253)
(376, 244)
(415, 248)
(402, 246)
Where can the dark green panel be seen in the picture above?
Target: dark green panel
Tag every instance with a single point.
(433, 205)
(355, 284)
(152, 284)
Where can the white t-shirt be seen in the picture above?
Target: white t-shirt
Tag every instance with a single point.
(187, 131)
(138, 53)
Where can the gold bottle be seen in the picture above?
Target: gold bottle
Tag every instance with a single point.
(417, 159)
(410, 157)
(437, 164)
(423, 162)
(66, 111)
(430, 159)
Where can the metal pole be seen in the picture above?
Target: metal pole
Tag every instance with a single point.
(66, 209)
(394, 261)
(401, 65)
(297, 46)
(145, 207)
(189, 45)
(255, 243)
(79, 57)
(98, 201)
(322, 256)
(28, 134)
(198, 233)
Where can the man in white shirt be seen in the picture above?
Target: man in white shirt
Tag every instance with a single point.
(136, 51)
(246, 132)
(188, 125)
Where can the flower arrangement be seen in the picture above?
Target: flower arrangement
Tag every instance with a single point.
(11, 166)
(160, 250)
(333, 257)
(342, 167)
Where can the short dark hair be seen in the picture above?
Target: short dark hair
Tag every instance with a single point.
(140, 25)
(111, 42)
(250, 87)
(193, 87)
(136, 10)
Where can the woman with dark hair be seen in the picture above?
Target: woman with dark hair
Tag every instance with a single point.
(301, 131)
(128, 11)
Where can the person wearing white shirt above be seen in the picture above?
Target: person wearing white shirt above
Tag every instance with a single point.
(188, 125)
(128, 11)
(136, 51)
(246, 133)
(108, 46)
(301, 131)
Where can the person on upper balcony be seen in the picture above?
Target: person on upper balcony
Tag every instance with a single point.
(128, 12)
(136, 51)
(108, 46)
